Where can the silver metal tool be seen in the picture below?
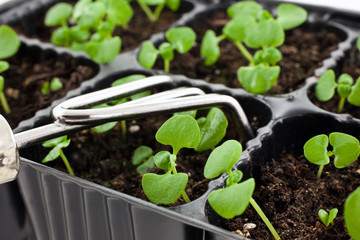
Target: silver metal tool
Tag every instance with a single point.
(74, 114)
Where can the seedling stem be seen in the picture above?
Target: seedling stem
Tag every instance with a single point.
(166, 65)
(147, 11)
(341, 105)
(4, 103)
(66, 162)
(320, 171)
(245, 52)
(264, 218)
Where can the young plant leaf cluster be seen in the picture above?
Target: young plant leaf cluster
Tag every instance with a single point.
(255, 28)
(159, 5)
(88, 26)
(57, 144)
(326, 86)
(181, 131)
(10, 44)
(180, 39)
(327, 218)
(52, 86)
(346, 150)
(232, 200)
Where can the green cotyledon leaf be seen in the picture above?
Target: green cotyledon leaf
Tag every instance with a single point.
(354, 97)
(213, 130)
(222, 159)
(58, 14)
(315, 150)
(148, 55)
(210, 50)
(325, 88)
(258, 79)
(290, 15)
(164, 189)
(232, 201)
(9, 42)
(346, 149)
(104, 51)
(182, 38)
(179, 131)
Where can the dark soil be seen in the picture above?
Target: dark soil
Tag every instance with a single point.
(351, 66)
(291, 195)
(106, 158)
(28, 71)
(303, 52)
(140, 28)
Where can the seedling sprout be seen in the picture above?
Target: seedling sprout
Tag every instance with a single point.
(54, 85)
(10, 44)
(180, 39)
(327, 218)
(232, 200)
(325, 89)
(57, 144)
(180, 131)
(345, 150)
(256, 28)
(92, 25)
(143, 158)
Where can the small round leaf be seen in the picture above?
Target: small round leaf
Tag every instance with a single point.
(4, 66)
(9, 42)
(58, 14)
(166, 51)
(61, 36)
(232, 201)
(245, 9)
(344, 85)
(315, 150)
(237, 29)
(213, 130)
(105, 51)
(352, 213)
(79, 8)
(164, 189)
(222, 159)
(119, 12)
(92, 14)
(145, 166)
(290, 15)
(141, 153)
(258, 79)
(182, 38)
(346, 149)
(325, 88)
(148, 55)
(179, 131)
(210, 49)
(267, 33)
(173, 5)
(162, 160)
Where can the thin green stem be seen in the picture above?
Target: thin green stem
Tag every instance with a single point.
(341, 105)
(66, 162)
(147, 11)
(4, 103)
(264, 218)
(166, 66)
(158, 11)
(183, 194)
(123, 129)
(245, 52)
(320, 171)
(220, 38)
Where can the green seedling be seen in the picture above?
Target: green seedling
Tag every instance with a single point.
(327, 218)
(10, 44)
(57, 144)
(180, 131)
(108, 126)
(88, 26)
(232, 200)
(143, 158)
(256, 28)
(159, 5)
(345, 150)
(352, 213)
(180, 39)
(325, 89)
(54, 85)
